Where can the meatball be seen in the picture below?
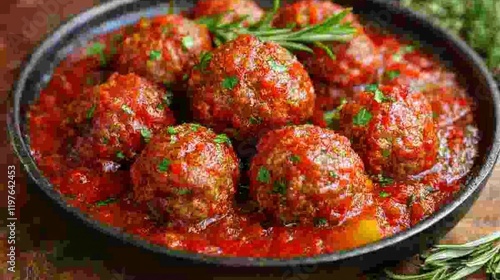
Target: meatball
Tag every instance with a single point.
(247, 86)
(393, 130)
(356, 62)
(307, 174)
(164, 49)
(118, 117)
(233, 10)
(188, 173)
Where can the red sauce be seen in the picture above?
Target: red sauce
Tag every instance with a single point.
(396, 205)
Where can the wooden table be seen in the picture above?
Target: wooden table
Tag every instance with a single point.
(23, 23)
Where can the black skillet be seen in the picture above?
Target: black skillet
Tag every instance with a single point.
(455, 53)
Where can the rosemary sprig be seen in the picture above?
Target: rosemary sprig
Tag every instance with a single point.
(295, 40)
(455, 262)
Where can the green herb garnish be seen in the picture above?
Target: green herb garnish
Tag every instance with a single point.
(171, 130)
(384, 194)
(91, 111)
(127, 109)
(146, 134)
(164, 164)
(319, 222)
(187, 42)
(222, 138)
(263, 176)
(204, 60)
(255, 120)
(383, 181)
(294, 158)
(194, 127)
(362, 118)
(230, 82)
(154, 55)
(392, 74)
(120, 155)
(106, 202)
(279, 187)
(97, 48)
(456, 262)
(183, 191)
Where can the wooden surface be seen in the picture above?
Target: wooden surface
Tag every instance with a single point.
(42, 231)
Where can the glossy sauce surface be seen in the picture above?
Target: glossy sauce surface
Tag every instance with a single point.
(391, 206)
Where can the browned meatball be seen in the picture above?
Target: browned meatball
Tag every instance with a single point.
(187, 174)
(233, 10)
(118, 117)
(356, 62)
(307, 173)
(393, 130)
(164, 49)
(247, 86)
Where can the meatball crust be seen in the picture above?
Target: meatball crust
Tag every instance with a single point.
(392, 129)
(118, 117)
(249, 86)
(356, 62)
(306, 173)
(187, 173)
(233, 10)
(309, 12)
(164, 49)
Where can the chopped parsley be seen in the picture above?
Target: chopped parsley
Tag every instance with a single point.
(97, 48)
(166, 28)
(386, 153)
(410, 200)
(230, 82)
(204, 60)
(127, 109)
(383, 194)
(164, 164)
(398, 56)
(183, 191)
(146, 134)
(332, 117)
(392, 74)
(276, 66)
(279, 186)
(120, 155)
(333, 174)
(106, 202)
(185, 77)
(160, 106)
(222, 138)
(377, 93)
(154, 55)
(171, 130)
(294, 158)
(263, 176)
(384, 180)
(167, 98)
(320, 222)
(91, 111)
(187, 42)
(362, 118)
(255, 120)
(105, 140)
(194, 127)
(429, 189)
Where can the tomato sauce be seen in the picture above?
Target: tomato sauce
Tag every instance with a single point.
(395, 205)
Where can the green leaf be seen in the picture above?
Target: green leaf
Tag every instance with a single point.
(127, 109)
(97, 48)
(392, 74)
(277, 66)
(362, 118)
(386, 153)
(155, 55)
(221, 139)
(319, 222)
(263, 176)
(164, 164)
(383, 181)
(205, 59)
(171, 130)
(384, 194)
(377, 93)
(183, 191)
(91, 111)
(106, 202)
(146, 134)
(120, 155)
(255, 120)
(333, 174)
(294, 158)
(187, 42)
(279, 186)
(194, 127)
(230, 82)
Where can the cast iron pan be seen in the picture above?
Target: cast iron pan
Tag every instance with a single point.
(451, 50)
